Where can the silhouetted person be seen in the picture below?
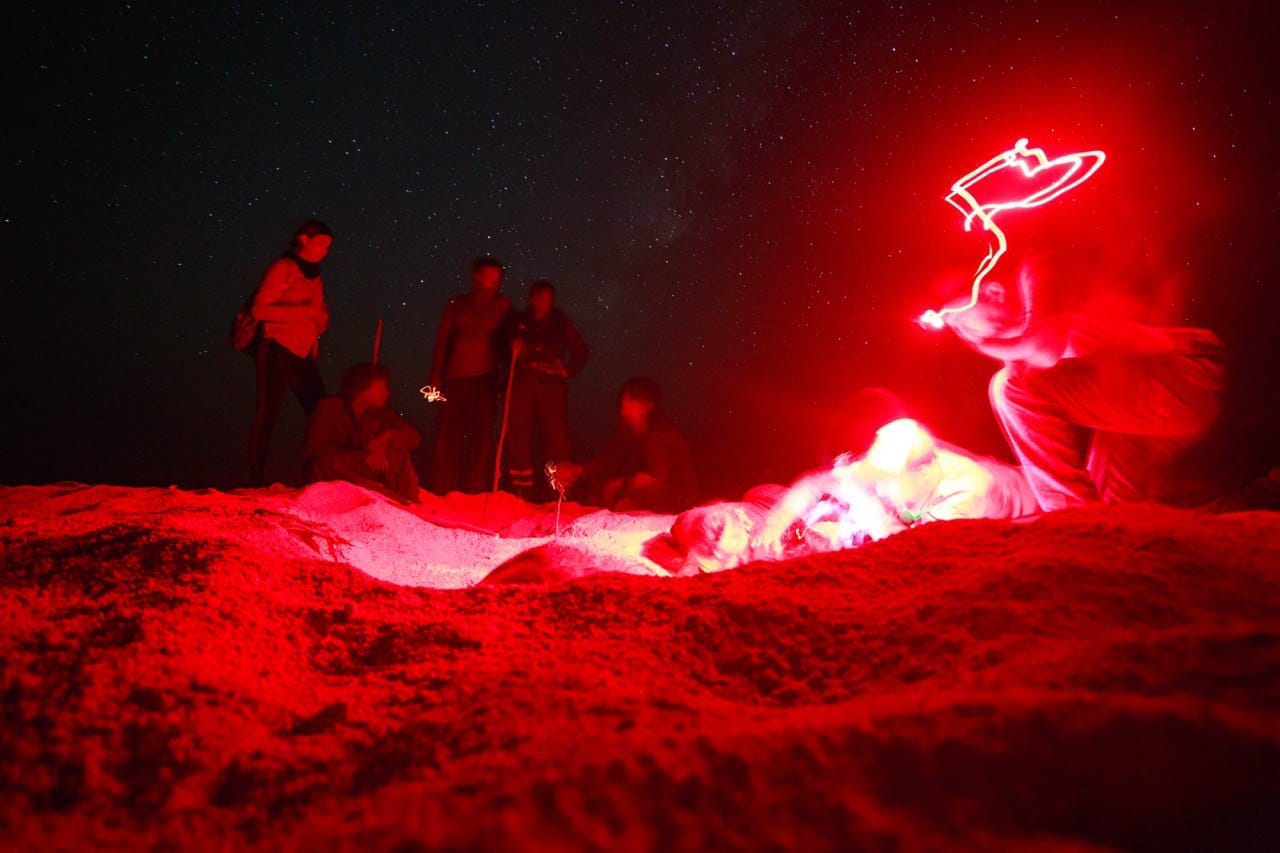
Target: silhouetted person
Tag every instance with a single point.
(289, 304)
(548, 351)
(647, 465)
(1096, 407)
(465, 371)
(356, 437)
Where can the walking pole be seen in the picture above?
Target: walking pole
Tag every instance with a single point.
(377, 341)
(502, 435)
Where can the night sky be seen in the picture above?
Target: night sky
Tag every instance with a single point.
(743, 202)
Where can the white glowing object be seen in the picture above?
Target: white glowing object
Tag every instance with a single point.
(432, 394)
(894, 445)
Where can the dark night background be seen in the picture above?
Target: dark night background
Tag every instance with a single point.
(742, 201)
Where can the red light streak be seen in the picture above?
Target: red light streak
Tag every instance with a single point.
(1075, 170)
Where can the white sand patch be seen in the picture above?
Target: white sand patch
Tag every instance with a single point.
(438, 545)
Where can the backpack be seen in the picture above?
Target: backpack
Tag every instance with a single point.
(246, 330)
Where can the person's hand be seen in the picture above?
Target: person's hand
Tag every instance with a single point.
(378, 461)
(377, 455)
(555, 368)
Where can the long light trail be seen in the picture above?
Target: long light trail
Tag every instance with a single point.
(1075, 170)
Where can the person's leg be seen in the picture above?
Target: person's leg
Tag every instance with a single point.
(611, 491)
(479, 477)
(1167, 400)
(347, 464)
(446, 457)
(552, 419)
(518, 448)
(350, 466)
(306, 382)
(272, 379)
(401, 477)
(549, 404)
(1130, 468)
(1171, 395)
(646, 492)
(1045, 440)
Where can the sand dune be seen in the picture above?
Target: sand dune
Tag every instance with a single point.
(316, 669)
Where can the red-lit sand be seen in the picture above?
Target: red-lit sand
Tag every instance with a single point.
(196, 670)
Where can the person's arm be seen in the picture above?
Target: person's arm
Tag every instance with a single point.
(443, 334)
(322, 314)
(394, 431)
(668, 456)
(579, 352)
(1040, 345)
(960, 493)
(507, 336)
(269, 304)
(615, 460)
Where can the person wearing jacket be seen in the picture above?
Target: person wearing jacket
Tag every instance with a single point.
(356, 437)
(548, 351)
(464, 368)
(1095, 406)
(290, 308)
(647, 465)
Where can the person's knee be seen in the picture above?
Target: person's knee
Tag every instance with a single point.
(998, 391)
(1013, 394)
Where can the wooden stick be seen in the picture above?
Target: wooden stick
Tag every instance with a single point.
(377, 341)
(502, 435)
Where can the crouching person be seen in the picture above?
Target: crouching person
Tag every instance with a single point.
(356, 437)
(647, 465)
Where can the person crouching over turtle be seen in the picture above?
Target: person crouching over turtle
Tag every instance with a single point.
(1097, 407)
(647, 465)
(356, 437)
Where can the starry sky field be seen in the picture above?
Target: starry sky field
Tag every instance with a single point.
(743, 201)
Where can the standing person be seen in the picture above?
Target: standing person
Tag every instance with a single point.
(290, 309)
(465, 370)
(549, 352)
(356, 437)
(1096, 407)
(647, 465)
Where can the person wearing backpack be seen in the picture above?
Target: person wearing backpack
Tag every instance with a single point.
(290, 314)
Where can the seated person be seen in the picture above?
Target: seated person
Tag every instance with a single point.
(647, 465)
(356, 437)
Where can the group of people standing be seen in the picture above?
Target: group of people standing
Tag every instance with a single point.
(1094, 407)
(486, 350)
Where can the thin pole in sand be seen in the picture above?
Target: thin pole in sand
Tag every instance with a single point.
(502, 435)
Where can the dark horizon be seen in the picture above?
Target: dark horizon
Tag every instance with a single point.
(750, 209)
